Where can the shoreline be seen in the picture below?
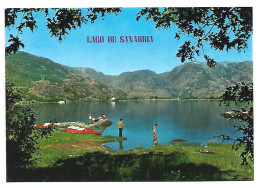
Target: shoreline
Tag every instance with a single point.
(63, 150)
(123, 100)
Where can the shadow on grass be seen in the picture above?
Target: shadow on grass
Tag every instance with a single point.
(99, 166)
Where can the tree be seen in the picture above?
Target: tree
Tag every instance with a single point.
(223, 28)
(220, 27)
(21, 136)
(241, 93)
(58, 21)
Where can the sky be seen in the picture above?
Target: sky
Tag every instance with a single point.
(115, 58)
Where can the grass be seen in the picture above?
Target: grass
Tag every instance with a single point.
(64, 137)
(73, 157)
(63, 145)
(225, 159)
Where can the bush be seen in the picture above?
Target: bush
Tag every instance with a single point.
(21, 137)
(242, 93)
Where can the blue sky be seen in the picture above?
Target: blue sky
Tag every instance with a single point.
(115, 58)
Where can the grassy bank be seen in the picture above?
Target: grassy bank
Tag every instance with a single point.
(72, 157)
(63, 145)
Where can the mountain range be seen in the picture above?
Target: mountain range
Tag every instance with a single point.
(189, 80)
(44, 80)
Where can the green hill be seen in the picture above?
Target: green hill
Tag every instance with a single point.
(22, 68)
(58, 83)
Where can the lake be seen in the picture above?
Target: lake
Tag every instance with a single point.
(195, 121)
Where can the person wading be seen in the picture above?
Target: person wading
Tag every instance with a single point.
(120, 126)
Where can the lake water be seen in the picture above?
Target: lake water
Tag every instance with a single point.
(194, 121)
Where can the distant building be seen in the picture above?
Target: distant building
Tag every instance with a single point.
(113, 99)
(62, 102)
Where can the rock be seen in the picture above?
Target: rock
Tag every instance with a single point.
(102, 124)
(233, 113)
(228, 114)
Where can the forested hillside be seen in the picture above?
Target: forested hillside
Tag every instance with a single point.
(44, 80)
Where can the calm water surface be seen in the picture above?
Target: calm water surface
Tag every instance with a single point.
(194, 121)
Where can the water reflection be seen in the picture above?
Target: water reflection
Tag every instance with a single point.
(120, 145)
(113, 104)
(155, 141)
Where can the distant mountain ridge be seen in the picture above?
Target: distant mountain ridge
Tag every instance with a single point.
(189, 80)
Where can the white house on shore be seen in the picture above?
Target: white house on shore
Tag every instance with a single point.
(113, 99)
(62, 102)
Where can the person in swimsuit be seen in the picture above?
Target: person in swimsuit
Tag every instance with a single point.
(154, 134)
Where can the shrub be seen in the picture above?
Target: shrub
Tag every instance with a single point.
(21, 137)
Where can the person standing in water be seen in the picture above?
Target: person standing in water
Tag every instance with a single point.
(154, 134)
(120, 126)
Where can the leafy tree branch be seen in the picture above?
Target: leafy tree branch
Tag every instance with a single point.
(58, 21)
(241, 93)
(224, 28)
(21, 136)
